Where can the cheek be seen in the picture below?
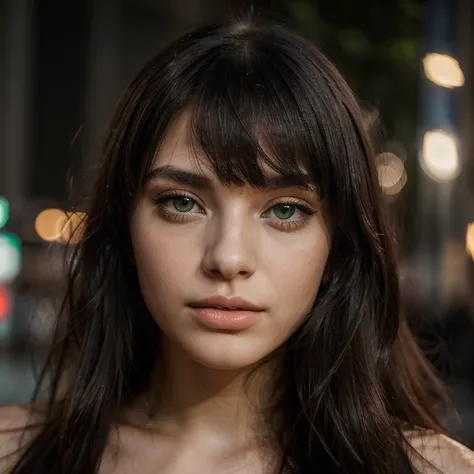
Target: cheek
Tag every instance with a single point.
(160, 260)
(298, 277)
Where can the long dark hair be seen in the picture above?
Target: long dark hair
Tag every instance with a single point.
(351, 378)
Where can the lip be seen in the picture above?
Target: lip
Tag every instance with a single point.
(230, 314)
(227, 303)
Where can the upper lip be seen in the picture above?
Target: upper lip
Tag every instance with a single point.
(224, 302)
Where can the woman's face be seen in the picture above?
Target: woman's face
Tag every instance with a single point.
(228, 273)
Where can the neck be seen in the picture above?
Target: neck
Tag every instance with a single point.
(187, 399)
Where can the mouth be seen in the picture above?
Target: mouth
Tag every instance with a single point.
(234, 303)
(228, 314)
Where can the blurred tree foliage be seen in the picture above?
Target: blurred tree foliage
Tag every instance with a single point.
(375, 44)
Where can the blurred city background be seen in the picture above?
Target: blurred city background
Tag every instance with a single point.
(411, 62)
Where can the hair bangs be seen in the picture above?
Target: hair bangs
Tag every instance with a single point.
(245, 118)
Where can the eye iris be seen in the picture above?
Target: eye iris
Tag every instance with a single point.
(284, 211)
(183, 204)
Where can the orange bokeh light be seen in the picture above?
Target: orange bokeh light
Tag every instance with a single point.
(470, 239)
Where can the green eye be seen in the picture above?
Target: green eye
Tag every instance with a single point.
(284, 211)
(183, 204)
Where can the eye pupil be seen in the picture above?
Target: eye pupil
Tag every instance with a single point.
(284, 211)
(183, 204)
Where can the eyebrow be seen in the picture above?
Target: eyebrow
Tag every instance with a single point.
(200, 181)
(180, 176)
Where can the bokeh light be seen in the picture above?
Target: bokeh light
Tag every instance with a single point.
(73, 228)
(470, 239)
(443, 70)
(440, 159)
(10, 257)
(4, 211)
(4, 303)
(391, 173)
(50, 223)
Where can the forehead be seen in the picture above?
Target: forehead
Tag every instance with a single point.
(178, 148)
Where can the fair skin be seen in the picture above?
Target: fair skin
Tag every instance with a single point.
(139, 450)
(208, 239)
(230, 241)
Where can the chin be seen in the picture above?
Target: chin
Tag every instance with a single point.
(227, 355)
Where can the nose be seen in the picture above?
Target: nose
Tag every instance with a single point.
(231, 251)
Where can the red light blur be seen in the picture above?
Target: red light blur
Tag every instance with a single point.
(4, 304)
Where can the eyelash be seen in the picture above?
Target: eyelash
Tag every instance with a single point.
(282, 224)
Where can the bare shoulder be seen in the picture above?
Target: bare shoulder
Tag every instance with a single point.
(13, 421)
(446, 454)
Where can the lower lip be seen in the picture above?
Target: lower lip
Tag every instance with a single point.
(232, 320)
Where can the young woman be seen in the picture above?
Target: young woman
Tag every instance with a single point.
(233, 304)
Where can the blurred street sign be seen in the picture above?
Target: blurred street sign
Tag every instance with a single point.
(10, 257)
